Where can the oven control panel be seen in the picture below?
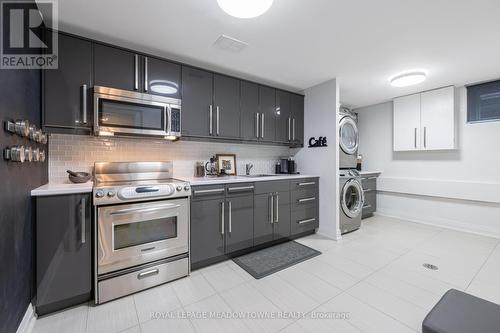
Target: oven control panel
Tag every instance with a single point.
(110, 195)
(134, 192)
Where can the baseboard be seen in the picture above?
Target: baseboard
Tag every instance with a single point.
(28, 322)
(440, 223)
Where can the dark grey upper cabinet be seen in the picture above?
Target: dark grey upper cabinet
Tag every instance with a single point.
(283, 116)
(207, 238)
(197, 111)
(116, 68)
(63, 251)
(297, 114)
(226, 107)
(267, 102)
(239, 223)
(263, 226)
(162, 77)
(249, 112)
(282, 215)
(66, 103)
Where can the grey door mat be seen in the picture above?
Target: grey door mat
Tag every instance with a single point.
(274, 259)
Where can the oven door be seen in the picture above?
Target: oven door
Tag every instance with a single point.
(125, 115)
(135, 234)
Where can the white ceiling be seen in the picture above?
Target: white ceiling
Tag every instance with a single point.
(299, 43)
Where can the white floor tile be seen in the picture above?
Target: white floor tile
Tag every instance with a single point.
(158, 299)
(338, 261)
(327, 273)
(135, 329)
(192, 289)
(487, 290)
(112, 317)
(71, 320)
(223, 277)
(174, 325)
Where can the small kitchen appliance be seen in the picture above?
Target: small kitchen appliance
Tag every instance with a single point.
(287, 165)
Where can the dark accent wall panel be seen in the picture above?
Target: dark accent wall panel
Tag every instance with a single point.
(20, 98)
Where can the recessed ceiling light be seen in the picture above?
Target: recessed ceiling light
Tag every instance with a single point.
(408, 78)
(245, 8)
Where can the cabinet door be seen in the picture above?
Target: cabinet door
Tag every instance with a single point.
(66, 100)
(162, 77)
(227, 106)
(249, 111)
(116, 68)
(283, 117)
(267, 102)
(282, 215)
(207, 238)
(438, 119)
(63, 251)
(197, 120)
(297, 107)
(406, 134)
(239, 226)
(263, 226)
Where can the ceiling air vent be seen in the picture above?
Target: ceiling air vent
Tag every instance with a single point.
(230, 44)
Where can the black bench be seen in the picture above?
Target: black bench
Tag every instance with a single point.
(458, 312)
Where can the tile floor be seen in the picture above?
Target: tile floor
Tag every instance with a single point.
(371, 281)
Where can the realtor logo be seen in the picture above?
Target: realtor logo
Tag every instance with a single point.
(29, 37)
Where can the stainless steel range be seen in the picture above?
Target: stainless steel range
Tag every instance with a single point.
(142, 227)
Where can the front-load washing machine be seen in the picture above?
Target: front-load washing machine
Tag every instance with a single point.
(351, 200)
(348, 140)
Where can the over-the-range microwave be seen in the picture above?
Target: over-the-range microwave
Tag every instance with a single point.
(124, 112)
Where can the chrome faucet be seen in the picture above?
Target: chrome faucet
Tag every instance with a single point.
(248, 167)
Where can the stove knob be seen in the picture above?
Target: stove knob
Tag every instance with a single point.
(99, 193)
(186, 187)
(179, 188)
(111, 194)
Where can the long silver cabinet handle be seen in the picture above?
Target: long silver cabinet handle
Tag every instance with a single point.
(306, 221)
(146, 81)
(83, 217)
(425, 137)
(262, 127)
(271, 209)
(257, 125)
(216, 190)
(307, 199)
(84, 103)
(242, 188)
(218, 114)
(307, 184)
(277, 206)
(210, 119)
(415, 138)
(289, 131)
(143, 210)
(136, 72)
(223, 217)
(152, 272)
(293, 129)
(230, 217)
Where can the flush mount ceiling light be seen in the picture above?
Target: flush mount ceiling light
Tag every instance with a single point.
(408, 78)
(245, 8)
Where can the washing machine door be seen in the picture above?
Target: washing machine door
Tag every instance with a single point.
(352, 198)
(348, 135)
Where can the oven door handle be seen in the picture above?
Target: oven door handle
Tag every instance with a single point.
(143, 210)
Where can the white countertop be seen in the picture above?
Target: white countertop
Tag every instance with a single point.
(70, 188)
(194, 181)
(58, 188)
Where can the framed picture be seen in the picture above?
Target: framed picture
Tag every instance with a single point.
(226, 164)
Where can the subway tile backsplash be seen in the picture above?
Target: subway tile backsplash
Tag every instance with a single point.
(78, 153)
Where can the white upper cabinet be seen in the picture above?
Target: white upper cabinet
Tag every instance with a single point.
(425, 121)
(407, 123)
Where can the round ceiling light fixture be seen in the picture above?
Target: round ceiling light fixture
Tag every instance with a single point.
(408, 78)
(245, 8)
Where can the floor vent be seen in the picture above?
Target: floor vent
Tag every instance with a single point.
(431, 266)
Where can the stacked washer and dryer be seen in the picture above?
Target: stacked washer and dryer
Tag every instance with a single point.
(351, 191)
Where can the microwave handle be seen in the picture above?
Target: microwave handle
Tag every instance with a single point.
(96, 114)
(168, 119)
(136, 72)
(146, 81)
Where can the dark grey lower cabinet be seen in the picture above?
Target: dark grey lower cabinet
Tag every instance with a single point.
(63, 251)
(239, 227)
(272, 217)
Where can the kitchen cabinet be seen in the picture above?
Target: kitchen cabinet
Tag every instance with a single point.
(116, 68)
(297, 118)
(66, 98)
(239, 224)
(162, 78)
(63, 251)
(226, 106)
(249, 111)
(267, 104)
(263, 223)
(197, 109)
(425, 121)
(283, 117)
(304, 205)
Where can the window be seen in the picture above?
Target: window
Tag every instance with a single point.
(483, 102)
